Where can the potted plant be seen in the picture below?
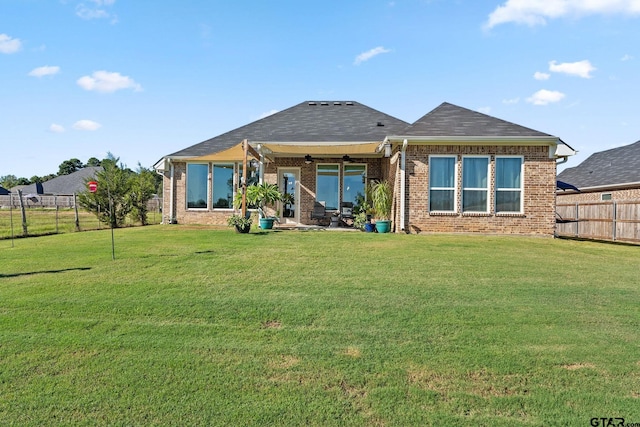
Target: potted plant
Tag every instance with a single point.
(241, 223)
(382, 198)
(263, 195)
(364, 211)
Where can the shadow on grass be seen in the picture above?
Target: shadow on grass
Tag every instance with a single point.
(608, 242)
(30, 273)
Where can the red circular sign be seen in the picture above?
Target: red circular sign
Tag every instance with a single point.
(93, 186)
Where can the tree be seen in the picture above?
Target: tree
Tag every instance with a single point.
(142, 187)
(8, 181)
(110, 202)
(93, 162)
(69, 166)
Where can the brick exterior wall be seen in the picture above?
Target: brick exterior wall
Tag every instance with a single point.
(219, 216)
(539, 200)
(538, 217)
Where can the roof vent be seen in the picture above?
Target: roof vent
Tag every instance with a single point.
(349, 103)
(312, 103)
(324, 103)
(380, 124)
(337, 103)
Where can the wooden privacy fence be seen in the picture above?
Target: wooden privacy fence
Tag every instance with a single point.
(610, 220)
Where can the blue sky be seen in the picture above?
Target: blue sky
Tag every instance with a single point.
(143, 79)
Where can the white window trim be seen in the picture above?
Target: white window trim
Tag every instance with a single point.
(211, 179)
(486, 189)
(454, 188)
(341, 190)
(186, 187)
(496, 189)
(339, 184)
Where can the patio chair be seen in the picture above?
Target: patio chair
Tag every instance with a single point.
(346, 210)
(319, 211)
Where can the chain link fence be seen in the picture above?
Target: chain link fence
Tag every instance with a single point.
(40, 215)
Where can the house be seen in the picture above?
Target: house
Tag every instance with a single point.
(63, 185)
(453, 170)
(607, 175)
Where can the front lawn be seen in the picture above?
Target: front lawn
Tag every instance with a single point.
(198, 326)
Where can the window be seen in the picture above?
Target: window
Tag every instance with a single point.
(475, 184)
(223, 186)
(509, 184)
(197, 180)
(605, 196)
(442, 183)
(327, 185)
(353, 184)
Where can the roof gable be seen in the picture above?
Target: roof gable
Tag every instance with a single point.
(607, 168)
(309, 121)
(453, 121)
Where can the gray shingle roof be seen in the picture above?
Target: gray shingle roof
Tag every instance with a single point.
(317, 121)
(65, 184)
(607, 168)
(451, 120)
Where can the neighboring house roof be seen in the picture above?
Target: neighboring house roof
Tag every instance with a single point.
(451, 120)
(611, 168)
(65, 184)
(316, 121)
(3, 191)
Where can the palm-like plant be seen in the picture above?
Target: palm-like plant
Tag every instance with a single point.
(382, 198)
(263, 195)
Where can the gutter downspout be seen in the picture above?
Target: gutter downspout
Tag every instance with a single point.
(403, 185)
(172, 219)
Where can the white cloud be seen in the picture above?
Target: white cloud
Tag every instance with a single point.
(56, 128)
(511, 101)
(97, 9)
(484, 110)
(267, 114)
(537, 12)
(44, 71)
(86, 125)
(9, 44)
(541, 76)
(627, 57)
(581, 68)
(544, 97)
(106, 82)
(365, 56)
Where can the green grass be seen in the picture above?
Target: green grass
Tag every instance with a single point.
(196, 326)
(42, 221)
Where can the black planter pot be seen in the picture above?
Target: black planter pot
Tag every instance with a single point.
(245, 229)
